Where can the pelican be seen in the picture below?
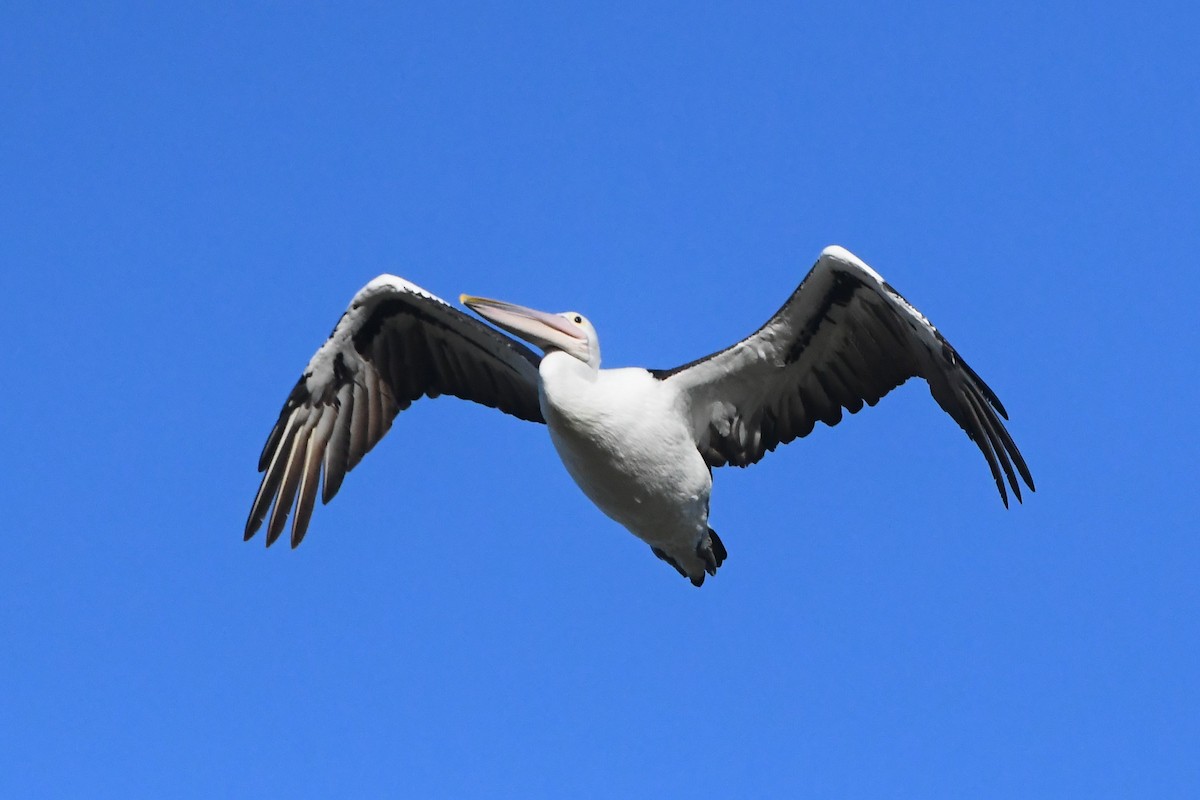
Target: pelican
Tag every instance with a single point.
(640, 443)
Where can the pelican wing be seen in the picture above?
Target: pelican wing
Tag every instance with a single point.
(844, 338)
(395, 343)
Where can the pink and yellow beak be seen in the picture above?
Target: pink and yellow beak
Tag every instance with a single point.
(540, 328)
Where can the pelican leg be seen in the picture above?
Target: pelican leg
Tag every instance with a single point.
(669, 560)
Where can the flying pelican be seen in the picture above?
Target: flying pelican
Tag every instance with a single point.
(640, 443)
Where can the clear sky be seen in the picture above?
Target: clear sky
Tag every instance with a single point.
(189, 197)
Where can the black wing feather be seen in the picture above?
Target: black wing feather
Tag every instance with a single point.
(844, 338)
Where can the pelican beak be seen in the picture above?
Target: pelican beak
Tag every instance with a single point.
(540, 328)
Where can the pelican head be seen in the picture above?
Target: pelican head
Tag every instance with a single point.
(570, 331)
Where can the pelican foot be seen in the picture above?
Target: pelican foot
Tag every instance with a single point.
(712, 552)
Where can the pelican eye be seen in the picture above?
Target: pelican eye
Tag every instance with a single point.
(578, 320)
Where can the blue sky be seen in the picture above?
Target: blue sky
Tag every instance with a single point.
(191, 196)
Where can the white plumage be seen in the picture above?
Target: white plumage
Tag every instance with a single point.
(624, 437)
(640, 443)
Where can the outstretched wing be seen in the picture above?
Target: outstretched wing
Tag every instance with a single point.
(395, 343)
(844, 338)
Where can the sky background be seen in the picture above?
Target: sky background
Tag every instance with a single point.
(190, 197)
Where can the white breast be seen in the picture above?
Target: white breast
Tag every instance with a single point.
(622, 437)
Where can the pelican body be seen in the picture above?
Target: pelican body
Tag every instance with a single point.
(622, 436)
(640, 443)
